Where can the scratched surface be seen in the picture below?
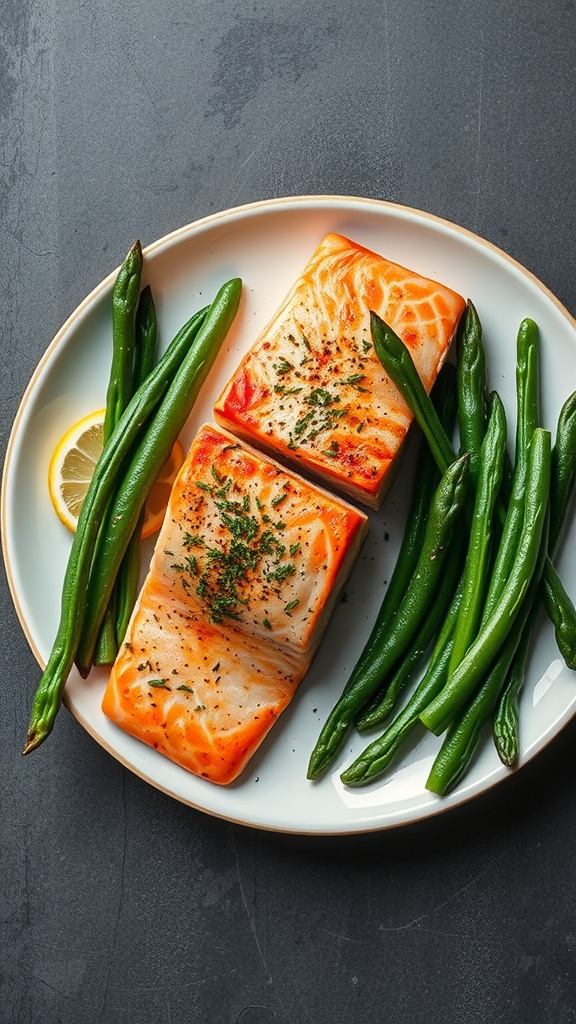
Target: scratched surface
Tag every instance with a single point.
(118, 120)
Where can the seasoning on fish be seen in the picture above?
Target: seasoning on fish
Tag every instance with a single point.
(245, 574)
(311, 389)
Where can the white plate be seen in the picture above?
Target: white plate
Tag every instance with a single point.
(267, 244)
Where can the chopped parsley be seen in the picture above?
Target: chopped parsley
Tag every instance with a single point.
(249, 550)
(192, 540)
(281, 572)
(354, 381)
(333, 451)
(324, 412)
(279, 497)
(282, 367)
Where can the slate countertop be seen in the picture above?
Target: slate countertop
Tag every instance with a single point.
(119, 904)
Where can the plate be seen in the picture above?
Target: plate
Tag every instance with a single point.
(267, 244)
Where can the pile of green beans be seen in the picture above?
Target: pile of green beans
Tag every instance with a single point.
(127, 583)
(132, 360)
(497, 571)
(143, 429)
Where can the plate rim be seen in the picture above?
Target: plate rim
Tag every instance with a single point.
(454, 800)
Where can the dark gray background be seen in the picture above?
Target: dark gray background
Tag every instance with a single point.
(123, 120)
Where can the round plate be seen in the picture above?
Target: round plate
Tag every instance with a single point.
(267, 244)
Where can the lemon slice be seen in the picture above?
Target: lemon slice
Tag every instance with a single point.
(72, 466)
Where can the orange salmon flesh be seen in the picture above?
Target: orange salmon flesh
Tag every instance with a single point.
(311, 390)
(245, 574)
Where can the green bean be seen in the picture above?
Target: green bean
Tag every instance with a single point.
(482, 529)
(560, 608)
(494, 630)
(472, 389)
(106, 648)
(506, 722)
(49, 692)
(473, 396)
(505, 727)
(527, 385)
(146, 463)
(382, 704)
(398, 363)
(462, 737)
(385, 698)
(527, 419)
(563, 471)
(127, 584)
(448, 501)
(124, 304)
(559, 605)
(146, 334)
(376, 757)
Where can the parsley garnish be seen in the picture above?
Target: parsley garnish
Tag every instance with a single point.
(282, 367)
(354, 381)
(281, 389)
(192, 540)
(249, 549)
(324, 412)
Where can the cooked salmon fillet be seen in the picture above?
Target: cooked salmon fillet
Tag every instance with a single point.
(311, 389)
(244, 576)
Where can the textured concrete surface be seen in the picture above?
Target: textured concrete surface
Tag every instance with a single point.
(117, 904)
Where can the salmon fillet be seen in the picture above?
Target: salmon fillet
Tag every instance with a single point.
(311, 389)
(244, 576)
